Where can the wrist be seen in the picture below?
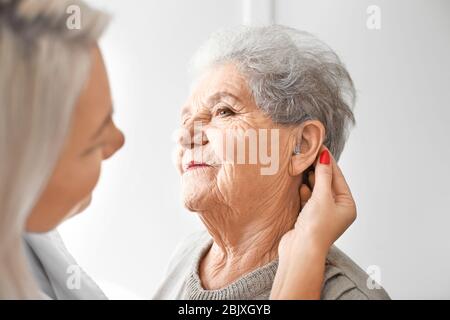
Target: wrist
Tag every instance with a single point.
(309, 246)
(300, 273)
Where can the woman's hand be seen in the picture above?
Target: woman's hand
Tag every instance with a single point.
(326, 213)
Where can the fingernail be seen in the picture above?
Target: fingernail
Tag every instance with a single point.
(325, 157)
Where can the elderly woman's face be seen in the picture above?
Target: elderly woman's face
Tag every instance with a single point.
(224, 156)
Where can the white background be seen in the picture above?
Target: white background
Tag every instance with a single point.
(396, 159)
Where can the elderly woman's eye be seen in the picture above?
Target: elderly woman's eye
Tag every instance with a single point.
(224, 112)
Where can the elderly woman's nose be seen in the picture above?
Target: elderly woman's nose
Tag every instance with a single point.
(192, 134)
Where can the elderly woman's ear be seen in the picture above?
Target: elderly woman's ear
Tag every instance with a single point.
(308, 139)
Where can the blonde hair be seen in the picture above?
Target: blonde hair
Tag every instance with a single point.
(43, 66)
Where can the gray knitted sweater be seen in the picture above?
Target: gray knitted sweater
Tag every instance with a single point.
(343, 279)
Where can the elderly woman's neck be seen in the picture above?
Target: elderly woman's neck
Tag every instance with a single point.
(243, 240)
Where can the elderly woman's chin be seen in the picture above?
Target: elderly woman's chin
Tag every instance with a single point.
(197, 188)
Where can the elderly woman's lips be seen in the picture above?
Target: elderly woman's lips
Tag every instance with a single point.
(193, 165)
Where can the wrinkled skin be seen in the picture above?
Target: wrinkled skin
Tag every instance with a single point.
(245, 212)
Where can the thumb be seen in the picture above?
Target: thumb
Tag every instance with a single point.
(323, 174)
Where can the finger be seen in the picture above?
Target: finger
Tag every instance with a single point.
(323, 174)
(339, 184)
(305, 194)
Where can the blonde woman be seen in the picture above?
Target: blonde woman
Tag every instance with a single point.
(56, 128)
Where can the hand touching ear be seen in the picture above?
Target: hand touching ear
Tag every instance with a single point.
(327, 211)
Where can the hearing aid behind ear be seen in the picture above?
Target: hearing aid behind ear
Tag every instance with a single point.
(296, 149)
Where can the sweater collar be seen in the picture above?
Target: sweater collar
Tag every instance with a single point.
(249, 286)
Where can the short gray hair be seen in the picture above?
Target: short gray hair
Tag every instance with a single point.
(293, 76)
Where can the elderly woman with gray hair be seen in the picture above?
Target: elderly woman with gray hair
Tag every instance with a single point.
(259, 91)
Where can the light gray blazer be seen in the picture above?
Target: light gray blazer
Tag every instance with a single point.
(54, 269)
